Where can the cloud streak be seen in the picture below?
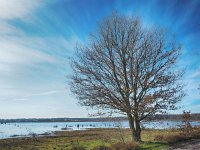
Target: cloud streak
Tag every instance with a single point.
(11, 9)
(25, 98)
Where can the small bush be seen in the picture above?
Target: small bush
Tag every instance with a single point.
(75, 145)
(195, 132)
(171, 138)
(175, 138)
(158, 138)
(125, 146)
(33, 148)
(102, 148)
(78, 147)
(186, 128)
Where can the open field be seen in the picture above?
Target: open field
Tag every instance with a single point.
(93, 138)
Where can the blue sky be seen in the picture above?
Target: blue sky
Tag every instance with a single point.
(37, 37)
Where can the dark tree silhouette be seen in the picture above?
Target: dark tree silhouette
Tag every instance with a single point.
(128, 68)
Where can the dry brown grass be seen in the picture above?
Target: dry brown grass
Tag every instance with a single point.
(195, 132)
(177, 135)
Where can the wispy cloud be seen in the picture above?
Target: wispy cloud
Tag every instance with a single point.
(27, 64)
(196, 73)
(26, 97)
(10, 9)
(12, 52)
(47, 93)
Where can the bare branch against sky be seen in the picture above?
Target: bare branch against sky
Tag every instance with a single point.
(128, 68)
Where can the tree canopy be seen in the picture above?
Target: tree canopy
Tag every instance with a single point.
(130, 68)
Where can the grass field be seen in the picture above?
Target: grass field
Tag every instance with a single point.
(94, 138)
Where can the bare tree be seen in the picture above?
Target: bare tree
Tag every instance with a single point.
(128, 68)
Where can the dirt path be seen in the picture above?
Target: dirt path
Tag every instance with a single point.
(188, 145)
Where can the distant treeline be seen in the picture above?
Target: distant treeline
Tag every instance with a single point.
(155, 117)
(195, 116)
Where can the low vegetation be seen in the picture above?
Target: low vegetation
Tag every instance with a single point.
(100, 139)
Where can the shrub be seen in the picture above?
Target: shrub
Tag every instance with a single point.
(171, 138)
(195, 132)
(77, 147)
(186, 128)
(158, 138)
(34, 148)
(175, 138)
(126, 146)
(102, 148)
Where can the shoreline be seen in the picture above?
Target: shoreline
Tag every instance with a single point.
(30, 131)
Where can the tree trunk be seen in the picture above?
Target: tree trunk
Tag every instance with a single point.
(135, 128)
(137, 133)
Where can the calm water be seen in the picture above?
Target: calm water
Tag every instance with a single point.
(26, 129)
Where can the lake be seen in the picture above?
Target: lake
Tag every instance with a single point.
(9, 130)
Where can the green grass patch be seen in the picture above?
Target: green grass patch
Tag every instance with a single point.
(153, 146)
